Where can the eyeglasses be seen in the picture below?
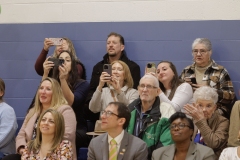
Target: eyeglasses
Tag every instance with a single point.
(142, 86)
(201, 51)
(108, 113)
(180, 126)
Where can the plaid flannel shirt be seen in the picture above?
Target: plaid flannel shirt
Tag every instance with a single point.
(217, 77)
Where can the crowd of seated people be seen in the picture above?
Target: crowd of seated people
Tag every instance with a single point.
(166, 116)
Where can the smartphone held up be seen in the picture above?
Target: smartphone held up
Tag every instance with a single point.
(151, 67)
(56, 41)
(57, 62)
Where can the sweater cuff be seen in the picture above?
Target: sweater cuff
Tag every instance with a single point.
(202, 125)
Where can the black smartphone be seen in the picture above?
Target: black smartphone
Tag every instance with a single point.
(193, 80)
(57, 62)
(107, 68)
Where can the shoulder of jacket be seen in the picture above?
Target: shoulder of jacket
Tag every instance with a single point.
(134, 103)
(188, 67)
(64, 108)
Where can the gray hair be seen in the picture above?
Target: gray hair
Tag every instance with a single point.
(149, 76)
(206, 93)
(203, 41)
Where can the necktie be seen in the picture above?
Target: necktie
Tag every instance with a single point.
(113, 150)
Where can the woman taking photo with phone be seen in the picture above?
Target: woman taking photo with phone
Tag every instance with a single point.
(75, 91)
(65, 45)
(49, 143)
(173, 90)
(120, 87)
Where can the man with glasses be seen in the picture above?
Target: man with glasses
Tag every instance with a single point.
(116, 143)
(149, 117)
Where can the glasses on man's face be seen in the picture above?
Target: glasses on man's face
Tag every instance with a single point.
(108, 113)
(142, 86)
(180, 126)
(201, 51)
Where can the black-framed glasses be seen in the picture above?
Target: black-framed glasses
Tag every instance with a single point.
(201, 51)
(142, 86)
(108, 113)
(180, 126)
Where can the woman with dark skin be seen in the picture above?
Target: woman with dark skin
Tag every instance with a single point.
(183, 148)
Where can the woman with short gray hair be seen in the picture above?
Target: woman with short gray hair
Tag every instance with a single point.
(206, 72)
(212, 127)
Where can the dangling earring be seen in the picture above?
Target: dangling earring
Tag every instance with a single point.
(238, 139)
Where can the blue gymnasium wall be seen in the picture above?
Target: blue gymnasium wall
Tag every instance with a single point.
(21, 44)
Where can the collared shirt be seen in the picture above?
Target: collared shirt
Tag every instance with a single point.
(118, 139)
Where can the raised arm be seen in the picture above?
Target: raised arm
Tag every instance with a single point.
(42, 56)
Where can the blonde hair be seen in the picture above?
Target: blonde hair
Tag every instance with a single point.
(127, 74)
(57, 98)
(34, 145)
(71, 49)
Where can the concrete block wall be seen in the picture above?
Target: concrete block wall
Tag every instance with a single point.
(153, 31)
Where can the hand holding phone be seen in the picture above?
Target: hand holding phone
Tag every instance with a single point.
(151, 67)
(193, 80)
(56, 41)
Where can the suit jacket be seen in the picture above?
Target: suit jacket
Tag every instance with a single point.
(195, 152)
(26, 132)
(132, 148)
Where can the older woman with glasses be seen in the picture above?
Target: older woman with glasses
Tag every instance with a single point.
(181, 130)
(212, 127)
(206, 72)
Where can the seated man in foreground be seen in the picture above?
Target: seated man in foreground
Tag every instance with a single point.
(149, 118)
(116, 143)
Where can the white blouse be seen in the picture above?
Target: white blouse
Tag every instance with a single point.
(229, 153)
(182, 96)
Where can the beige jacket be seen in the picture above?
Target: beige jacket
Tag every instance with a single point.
(214, 132)
(234, 125)
(26, 131)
